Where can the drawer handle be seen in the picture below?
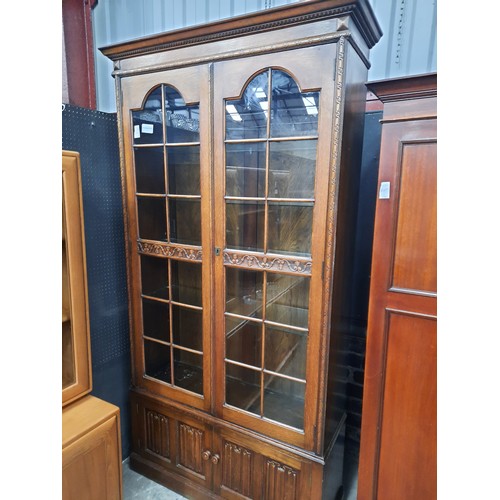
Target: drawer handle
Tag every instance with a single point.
(206, 455)
(215, 459)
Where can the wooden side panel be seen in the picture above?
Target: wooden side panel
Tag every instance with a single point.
(92, 466)
(415, 256)
(407, 461)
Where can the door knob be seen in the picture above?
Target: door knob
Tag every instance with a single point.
(206, 455)
(215, 459)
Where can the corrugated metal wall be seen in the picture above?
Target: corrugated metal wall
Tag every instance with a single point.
(408, 46)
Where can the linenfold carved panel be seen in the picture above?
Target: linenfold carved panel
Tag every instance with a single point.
(157, 434)
(237, 469)
(281, 481)
(190, 448)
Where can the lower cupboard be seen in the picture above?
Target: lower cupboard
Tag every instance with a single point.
(205, 458)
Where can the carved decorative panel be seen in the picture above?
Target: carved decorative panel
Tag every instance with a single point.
(268, 263)
(237, 469)
(157, 434)
(166, 250)
(281, 481)
(190, 448)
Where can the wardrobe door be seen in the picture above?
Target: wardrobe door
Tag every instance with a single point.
(272, 124)
(168, 192)
(398, 434)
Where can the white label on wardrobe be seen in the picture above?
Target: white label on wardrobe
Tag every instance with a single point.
(147, 128)
(137, 132)
(384, 191)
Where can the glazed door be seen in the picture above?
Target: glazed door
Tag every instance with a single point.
(168, 203)
(271, 166)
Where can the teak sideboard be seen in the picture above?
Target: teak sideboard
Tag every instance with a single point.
(240, 153)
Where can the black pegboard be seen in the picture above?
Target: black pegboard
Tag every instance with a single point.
(94, 135)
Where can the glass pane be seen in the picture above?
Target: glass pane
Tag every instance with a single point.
(284, 401)
(187, 328)
(68, 361)
(157, 360)
(244, 292)
(287, 299)
(292, 113)
(184, 170)
(188, 371)
(154, 275)
(292, 166)
(290, 228)
(246, 170)
(149, 174)
(285, 351)
(243, 388)
(155, 319)
(185, 223)
(183, 122)
(245, 225)
(243, 341)
(186, 282)
(152, 218)
(148, 122)
(246, 118)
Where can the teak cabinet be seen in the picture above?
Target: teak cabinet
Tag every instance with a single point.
(398, 432)
(76, 369)
(91, 444)
(240, 147)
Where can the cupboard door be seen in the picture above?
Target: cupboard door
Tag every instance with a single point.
(174, 441)
(168, 190)
(252, 469)
(272, 141)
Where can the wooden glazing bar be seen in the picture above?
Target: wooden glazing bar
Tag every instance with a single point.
(156, 299)
(171, 326)
(165, 160)
(243, 365)
(184, 196)
(152, 339)
(291, 200)
(155, 145)
(150, 195)
(271, 139)
(187, 349)
(180, 144)
(243, 198)
(283, 325)
(246, 318)
(263, 340)
(282, 375)
(186, 306)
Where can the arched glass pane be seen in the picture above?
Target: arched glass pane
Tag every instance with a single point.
(183, 122)
(148, 122)
(246, 118)
(293, 113)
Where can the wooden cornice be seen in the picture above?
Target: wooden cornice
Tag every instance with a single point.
(267, 20)
(404, 88)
